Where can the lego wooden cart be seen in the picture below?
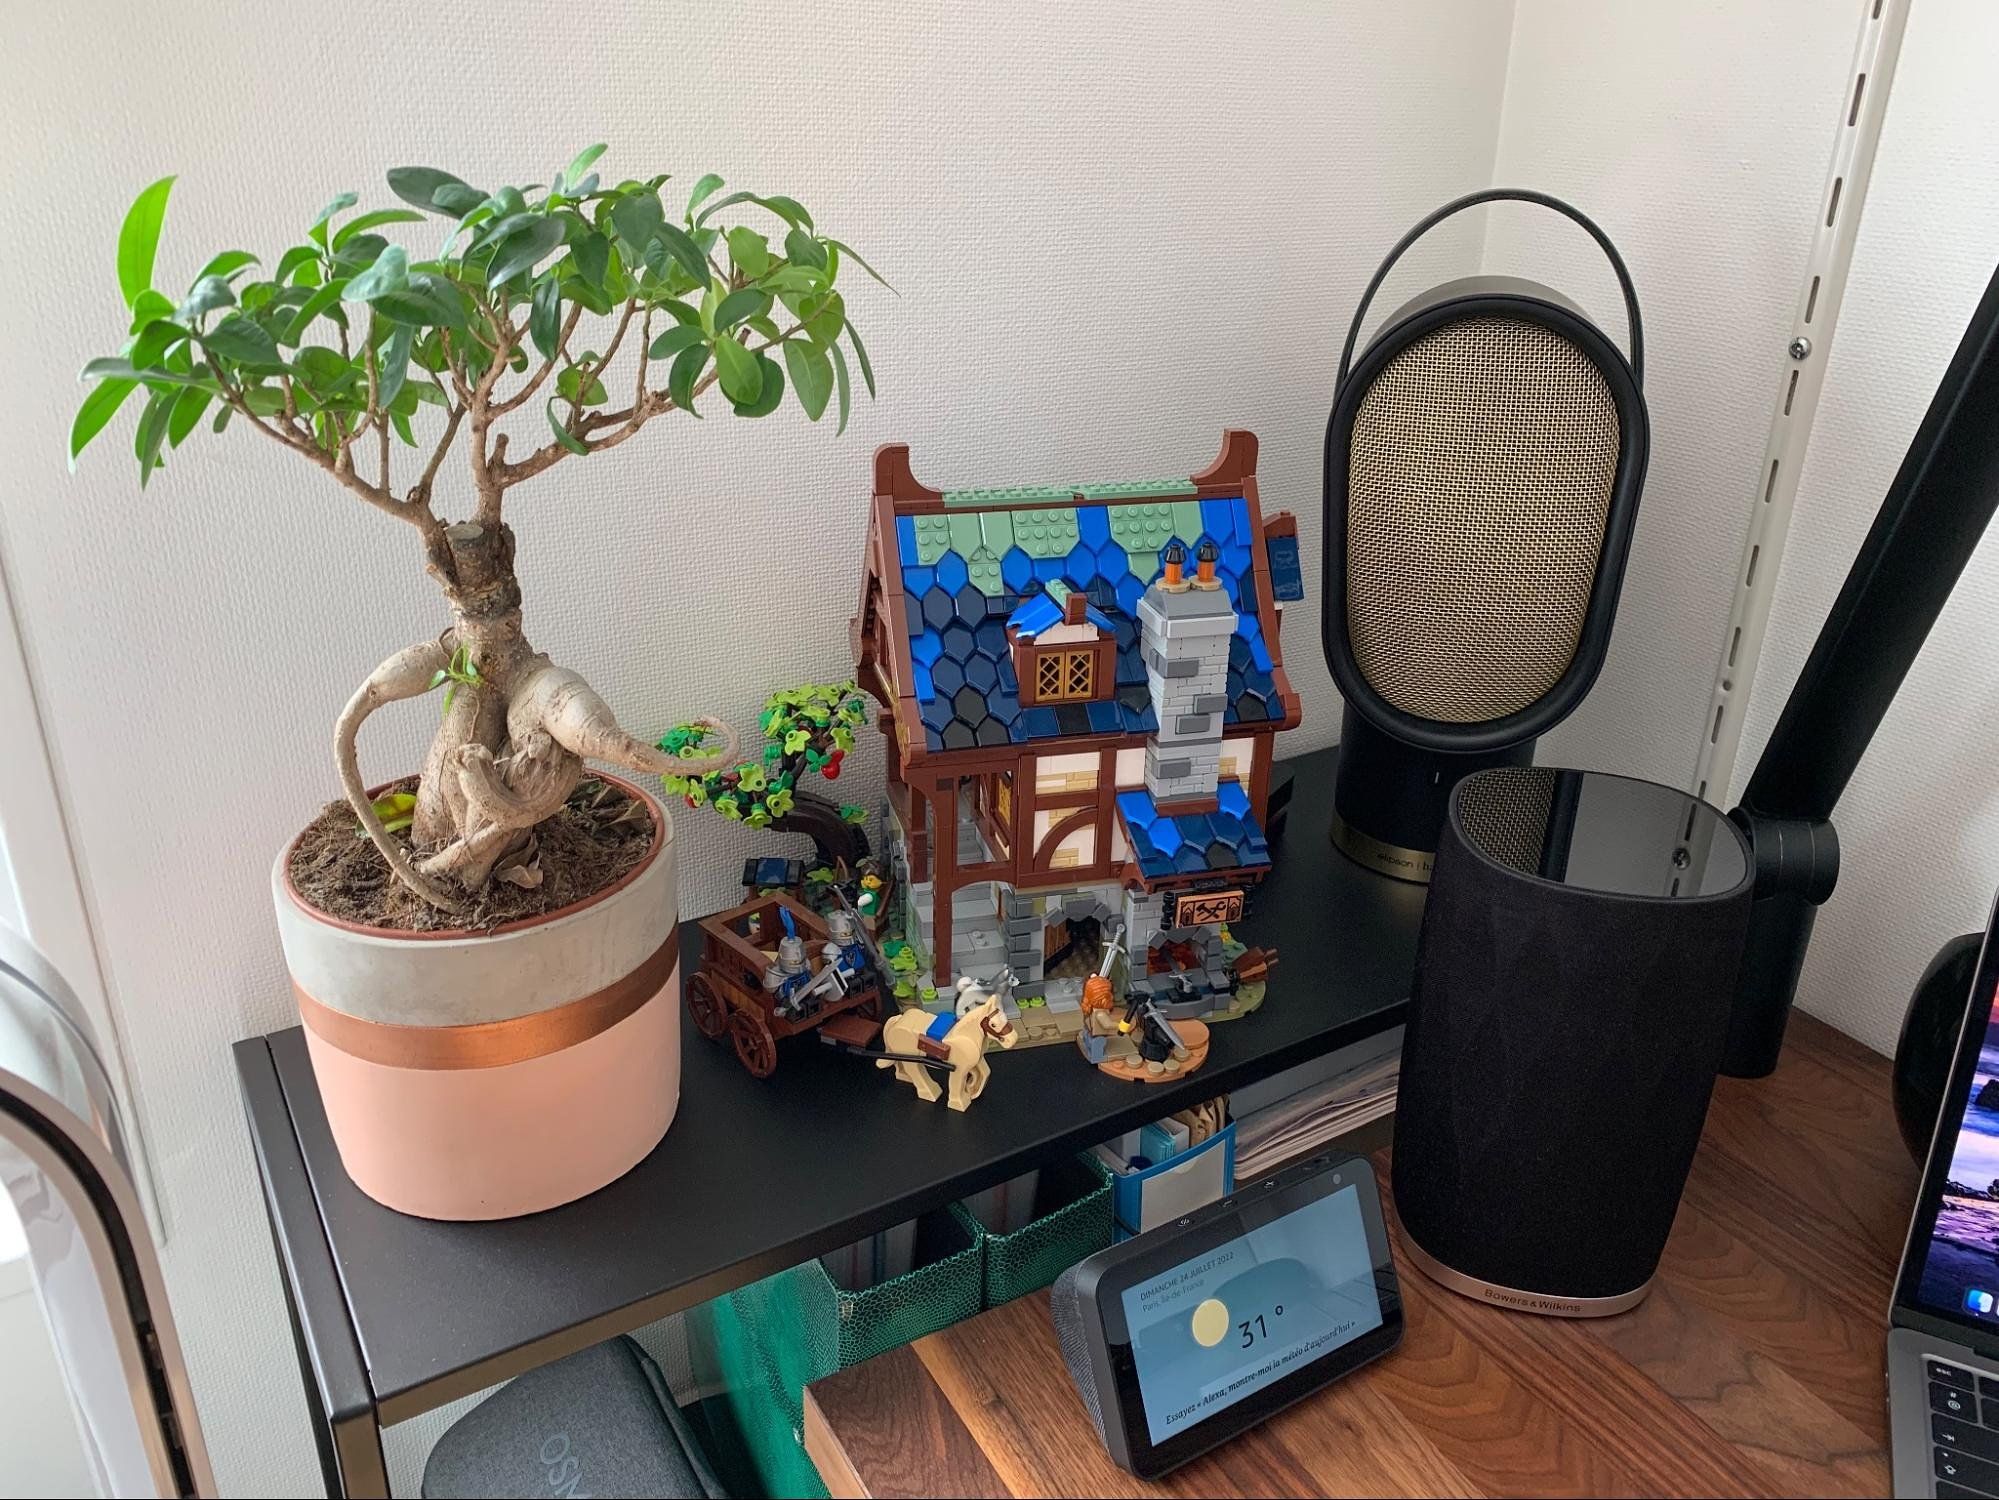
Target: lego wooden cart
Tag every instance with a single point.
(726, 996)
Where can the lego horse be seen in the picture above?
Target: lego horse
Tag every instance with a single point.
(963, 1045)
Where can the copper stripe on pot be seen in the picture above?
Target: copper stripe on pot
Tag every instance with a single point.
(493, 1044)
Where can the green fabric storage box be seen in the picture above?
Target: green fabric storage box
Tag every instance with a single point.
(1072, 1219)
(775, 1337)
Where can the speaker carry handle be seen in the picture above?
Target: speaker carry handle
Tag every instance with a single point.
(1636, 331)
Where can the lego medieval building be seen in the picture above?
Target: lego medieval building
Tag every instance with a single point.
(1080, 689)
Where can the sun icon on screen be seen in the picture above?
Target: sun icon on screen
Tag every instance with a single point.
(1211, 1323)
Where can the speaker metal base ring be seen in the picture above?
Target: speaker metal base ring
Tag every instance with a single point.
(1515, 1299)
(1371, 853)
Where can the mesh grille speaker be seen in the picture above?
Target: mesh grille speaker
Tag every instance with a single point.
(1507, 816)
(1480, 475)
(1065, 1306)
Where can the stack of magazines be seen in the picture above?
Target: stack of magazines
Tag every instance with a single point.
(1296, 1113)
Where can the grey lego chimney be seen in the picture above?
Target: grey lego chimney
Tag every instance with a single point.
(1185, 626)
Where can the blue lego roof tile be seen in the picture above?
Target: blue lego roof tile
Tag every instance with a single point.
(965, 685)
(1193, 843)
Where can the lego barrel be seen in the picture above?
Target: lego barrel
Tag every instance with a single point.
(1072, 1220)
(484, 1075)
(775, 1337)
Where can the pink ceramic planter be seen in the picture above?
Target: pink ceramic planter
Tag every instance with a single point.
(480, 1076)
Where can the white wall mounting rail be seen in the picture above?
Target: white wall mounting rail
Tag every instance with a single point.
(1800, 375)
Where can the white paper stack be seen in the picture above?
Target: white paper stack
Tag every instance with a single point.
(1363, 1090)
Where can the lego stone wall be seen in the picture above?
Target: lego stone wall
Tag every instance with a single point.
(1919, 824)
(1116, 228)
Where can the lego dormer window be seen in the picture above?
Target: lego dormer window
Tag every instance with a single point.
(1065, 676)
(1064, 648)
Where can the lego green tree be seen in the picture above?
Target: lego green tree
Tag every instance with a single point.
(807, 732)
(350, 348)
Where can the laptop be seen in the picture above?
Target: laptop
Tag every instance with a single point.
(1943, 1326)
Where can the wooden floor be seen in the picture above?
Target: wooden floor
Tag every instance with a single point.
(1754, 1368)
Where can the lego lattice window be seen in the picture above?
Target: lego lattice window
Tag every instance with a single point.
(1065, 676)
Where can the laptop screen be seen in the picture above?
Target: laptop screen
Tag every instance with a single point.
(1951, 1267)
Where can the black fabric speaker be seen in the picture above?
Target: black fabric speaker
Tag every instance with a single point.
(1572, 992)
(1483, 465)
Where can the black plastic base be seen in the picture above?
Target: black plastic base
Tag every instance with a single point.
(1797, 864)
(1389, 797)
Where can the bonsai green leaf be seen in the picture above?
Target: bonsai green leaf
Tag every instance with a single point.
(580, 384)
(855, 256)
(843, 737)
(840, 381)
(742, 377)
(681, 312)
(686, 372)
(729, 807)
(151, 305)
(401, 422)
(226, 264)
(592, 255)
(811, 377)
(803, 250)
(861, 354)
(780, 803)
(139, 239)
(770, 389)
(389, 273)
(852, 814)
(209, 293)
(428, 301)
(524, 249)
(709, 182)
(153, 342)
(238, 339)
(393, 366)
(500, 228)
(373, 220)
(98, 408)
(757, 817)
(824, 318)
(573, 173)
(322, 300)
(683, 249)
(118, 367)
(152, 432)
(316, 232)
(745, 302)
(293, 259)
(788, 209)
(358, 254)
(796, 741)
(545, 317)
(563, 435)
(673, 341)
(637, 217)
(721, 203)
(421, 186)
(749, 251)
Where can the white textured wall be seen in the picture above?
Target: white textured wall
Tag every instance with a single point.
(1919, 825)
(1116, 229)
(1696, 134)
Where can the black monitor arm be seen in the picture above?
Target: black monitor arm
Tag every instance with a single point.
(1929, 523)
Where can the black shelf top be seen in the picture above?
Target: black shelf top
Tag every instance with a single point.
(757, 1176)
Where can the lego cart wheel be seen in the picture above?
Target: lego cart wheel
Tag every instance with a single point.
(711, 1016)
(756, 1048)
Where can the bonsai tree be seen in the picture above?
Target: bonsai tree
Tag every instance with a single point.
(371, 363)
(807, 731)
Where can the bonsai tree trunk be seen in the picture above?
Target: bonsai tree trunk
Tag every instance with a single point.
(511, 746)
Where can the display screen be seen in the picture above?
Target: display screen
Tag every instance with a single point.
(1242, 1316)
(1960, 1268)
